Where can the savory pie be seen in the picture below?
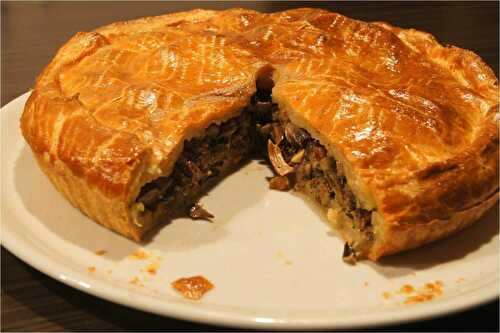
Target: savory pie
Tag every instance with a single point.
(392, 133)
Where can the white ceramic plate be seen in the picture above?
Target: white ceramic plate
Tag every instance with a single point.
(273, 260)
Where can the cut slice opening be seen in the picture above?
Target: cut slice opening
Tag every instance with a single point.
(300, 161)
(305, 165)
(204, 160)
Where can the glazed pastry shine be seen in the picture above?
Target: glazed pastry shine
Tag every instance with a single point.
(411, 121)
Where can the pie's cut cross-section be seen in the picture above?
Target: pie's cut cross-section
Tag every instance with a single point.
(391, 132)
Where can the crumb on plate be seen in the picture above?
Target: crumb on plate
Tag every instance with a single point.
(407, 289)
(135, 281)
(418, 298)
(100, 252)
(414, 295)
(435, 288)
(91, 269)
(152, 268)
(192, 287)
(426, 293)
(139, 254)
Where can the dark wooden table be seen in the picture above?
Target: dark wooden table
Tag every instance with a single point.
(32, 32)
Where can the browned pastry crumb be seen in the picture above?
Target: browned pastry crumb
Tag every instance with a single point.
(419, 298)
(139, 254)
(136, 282)
(100, 252)
(192, 287)
(407, 289)
(152, 268)
(435, 288)
(427, 292)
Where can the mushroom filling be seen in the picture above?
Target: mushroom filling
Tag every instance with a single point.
(300, 161)
(303, 163)
(202, 161)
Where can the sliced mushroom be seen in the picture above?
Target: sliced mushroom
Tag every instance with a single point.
(280, 183)
(277, 160)
(349, 256)
(198, 212)
(193, 170)
(298, 157)
(295, 135)
(266, 129)
(278, 134)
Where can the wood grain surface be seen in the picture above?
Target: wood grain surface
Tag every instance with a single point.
(33, 31)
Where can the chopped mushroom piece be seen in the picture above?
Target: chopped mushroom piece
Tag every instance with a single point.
(281, 183)
(349, 256)
(298, 157)
(266, 129)
(198, 212)
(278, 134)
(295, 134)
(277, 159)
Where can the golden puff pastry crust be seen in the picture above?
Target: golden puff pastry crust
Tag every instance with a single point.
(412, 121)
(112, 110)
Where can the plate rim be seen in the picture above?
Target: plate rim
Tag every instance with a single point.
(191, 312)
